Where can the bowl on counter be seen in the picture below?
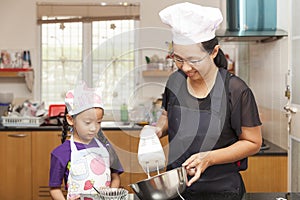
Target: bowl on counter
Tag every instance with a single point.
(167, 185)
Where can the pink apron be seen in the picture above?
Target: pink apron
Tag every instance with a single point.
(89, 167)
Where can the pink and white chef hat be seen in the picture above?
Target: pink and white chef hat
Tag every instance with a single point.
(191, 23)
(83, 98)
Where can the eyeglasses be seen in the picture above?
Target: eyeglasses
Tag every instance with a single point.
(180, 61)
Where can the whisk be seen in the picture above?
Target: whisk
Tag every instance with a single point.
(113, 194)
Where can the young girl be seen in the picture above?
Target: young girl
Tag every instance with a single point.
(86, 162)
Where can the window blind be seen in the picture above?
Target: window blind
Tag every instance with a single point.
(61, 12)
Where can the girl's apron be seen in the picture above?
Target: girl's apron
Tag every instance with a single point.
(89, 167)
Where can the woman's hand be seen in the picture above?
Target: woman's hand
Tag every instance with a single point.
(162, 124)
(196, 165)
(158, 131)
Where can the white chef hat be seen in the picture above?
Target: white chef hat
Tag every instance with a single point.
(83, 98)
(191, 23)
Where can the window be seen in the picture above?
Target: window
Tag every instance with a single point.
(61, 61)
(97, 49)
(113, 59)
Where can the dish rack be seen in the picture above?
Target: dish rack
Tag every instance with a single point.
(11, 121)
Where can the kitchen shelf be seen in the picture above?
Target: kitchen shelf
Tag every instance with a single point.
(156, 73)
(14, 72)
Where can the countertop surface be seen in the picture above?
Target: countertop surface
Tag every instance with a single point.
(43, 127)
(268, 149)
(271, 149)
(255, 196)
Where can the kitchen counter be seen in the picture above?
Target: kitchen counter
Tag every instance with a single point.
(40, 128)
(106, 126)
(269, 149)
(255, 196)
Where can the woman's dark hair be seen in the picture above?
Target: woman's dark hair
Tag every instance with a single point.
(220, 60)
(65, 127)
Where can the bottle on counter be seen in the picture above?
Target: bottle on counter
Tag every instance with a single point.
(124, 112)
(153, 112)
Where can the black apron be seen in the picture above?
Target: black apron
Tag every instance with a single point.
(192, 130)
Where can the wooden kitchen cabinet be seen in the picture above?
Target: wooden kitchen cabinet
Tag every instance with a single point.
(43, 142)
(15, 158)
(25, 159)
(266, 174)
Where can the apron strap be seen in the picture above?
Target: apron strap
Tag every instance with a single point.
(218, 114)
(72, 144)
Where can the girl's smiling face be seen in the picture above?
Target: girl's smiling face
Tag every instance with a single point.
(86, 124)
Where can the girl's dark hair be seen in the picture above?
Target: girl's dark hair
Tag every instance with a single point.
(220, 60)
(65, 127)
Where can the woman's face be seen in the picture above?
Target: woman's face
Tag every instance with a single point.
(86, 124)
(197, 62)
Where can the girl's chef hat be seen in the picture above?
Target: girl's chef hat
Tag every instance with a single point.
(83, 98)
(191, 23)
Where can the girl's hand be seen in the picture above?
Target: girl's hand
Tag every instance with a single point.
(195, 165)
(73, 197)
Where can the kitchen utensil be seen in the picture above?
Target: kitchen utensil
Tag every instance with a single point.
(150, 152)
(113, 194)
(163, 186)
(96, 189)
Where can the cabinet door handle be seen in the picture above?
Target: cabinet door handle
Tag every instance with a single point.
(17, 135)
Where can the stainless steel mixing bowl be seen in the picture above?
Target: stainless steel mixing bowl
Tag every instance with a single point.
(163, 186)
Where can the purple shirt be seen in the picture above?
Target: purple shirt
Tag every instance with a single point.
(61, 156)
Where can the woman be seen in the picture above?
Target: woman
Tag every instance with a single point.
(210, 116)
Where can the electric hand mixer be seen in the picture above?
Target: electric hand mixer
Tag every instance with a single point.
(150, 152)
